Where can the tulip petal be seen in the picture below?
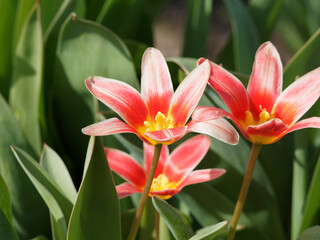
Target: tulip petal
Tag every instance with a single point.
(121, 98)
(202, 175)
(298, 98)
(166, 193)
(230, 89)
(188, 94)
(148, 156)
(186, 157)
(156, 85)
(265, 83)
(217, 128)
(208, 113)
(167, 136)
(125, 166)
(313, 122)
(126, 189)
(108, 127)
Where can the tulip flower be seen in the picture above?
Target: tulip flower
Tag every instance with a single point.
(263, 113)
(174, 171)
(158, 115)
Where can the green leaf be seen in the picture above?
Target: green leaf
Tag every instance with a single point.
(49, 9)
(313, 8)
(7, 18)
(53, 196)
(197, 28)
(96, 214)
(304, 60)
(174, 220)
(57, 170)
(210, 232)
(5, 200)
(312, 233)
(30, 214)
(58, 228)
(299, 182)
(27, 78)
(312, 205)
(6, 230)
(147, 223)
(245, 36)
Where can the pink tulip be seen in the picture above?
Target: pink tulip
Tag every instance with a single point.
(158, 115)
(174, 171)
(263, 113)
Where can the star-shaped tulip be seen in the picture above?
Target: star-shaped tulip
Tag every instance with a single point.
(158, 115)
(174, 170)
(263, 113)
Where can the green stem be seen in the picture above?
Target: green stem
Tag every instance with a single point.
(145, 193)
(244, 190)
(157, 221)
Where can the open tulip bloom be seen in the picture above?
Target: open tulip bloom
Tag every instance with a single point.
(174, 171)
(158, 115)
(264, 113)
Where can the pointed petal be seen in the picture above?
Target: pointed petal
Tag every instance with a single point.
(202, 175)
(217, 128)
(108, 127)
(156, 85)
(121, 98)
(188, 94)
(126, 189)
(298, 98)
(313, 122)
(167, 136)
(148, 156)
(165, 193)
(205, 113)
(186, 157)
(267, 132)
(125, 166)
(230, 89)
(265, 83)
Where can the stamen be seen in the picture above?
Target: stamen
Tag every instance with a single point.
(160, 121)
(264, 116)
(161, 183)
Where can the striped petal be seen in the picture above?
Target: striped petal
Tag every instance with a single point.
(313, 122)
(205, 113)
(186, 157)
(188, 94)
(126, 189)
(156, 85)
(121, 98)
(265, 83)
(148, 156)
(230, 89)
(202, 175)
(167, 136)
(298, 98)
(217, 128)
(125, 166)
(108, 127)
(165, 193)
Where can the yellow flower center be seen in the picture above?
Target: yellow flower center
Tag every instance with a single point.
(264, 116)
(160, 122)
(160, 183)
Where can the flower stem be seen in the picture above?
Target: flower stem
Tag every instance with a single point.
(244, 190)
(145, 193)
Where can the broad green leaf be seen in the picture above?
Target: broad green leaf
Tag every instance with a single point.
(23, 9)
(57, 170)
(102, 54)
(197, 27)
(126, 221)
(312, 233)
(312, 205)
(210, 232)
(30, 216)
(174, 220)
(265, 14)
(57, 202)
(7, 19)
(5, 200)
(49, 10)
(58, 229)
(303, 61)
(244, 36)
(96, 214)
(299, 182)
(7, 232)
(27, 78)
(147, 223)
